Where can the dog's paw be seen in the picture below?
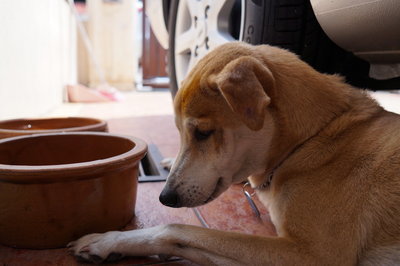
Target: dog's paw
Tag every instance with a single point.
(96, 248)
(167, 163)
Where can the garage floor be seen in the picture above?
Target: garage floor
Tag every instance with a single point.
(149, 115)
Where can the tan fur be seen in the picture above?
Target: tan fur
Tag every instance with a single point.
(335, 155)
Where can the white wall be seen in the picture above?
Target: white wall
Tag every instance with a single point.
(37, 56)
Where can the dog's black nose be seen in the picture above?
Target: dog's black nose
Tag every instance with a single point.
(170, 198)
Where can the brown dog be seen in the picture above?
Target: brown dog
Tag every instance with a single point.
(323, 155)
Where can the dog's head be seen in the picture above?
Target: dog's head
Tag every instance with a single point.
(224, 123)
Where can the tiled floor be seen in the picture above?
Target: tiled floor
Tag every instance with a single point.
(149, 115)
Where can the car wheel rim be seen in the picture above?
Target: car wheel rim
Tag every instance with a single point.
(202, 25)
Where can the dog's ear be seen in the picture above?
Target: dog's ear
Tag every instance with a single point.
(243, 83)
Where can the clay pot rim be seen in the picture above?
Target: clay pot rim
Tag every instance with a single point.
(99, 124)
(73, 171)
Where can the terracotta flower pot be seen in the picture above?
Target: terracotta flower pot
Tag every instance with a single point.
(18, 127)
(57, 187)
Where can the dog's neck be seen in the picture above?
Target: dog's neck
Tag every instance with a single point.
(307, 115)
(261, 182)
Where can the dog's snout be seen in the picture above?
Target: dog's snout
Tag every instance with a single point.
(170, 198)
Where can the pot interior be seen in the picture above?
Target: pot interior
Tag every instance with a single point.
(47, 124)
(62, 149)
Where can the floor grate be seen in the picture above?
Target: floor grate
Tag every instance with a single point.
(150, 169)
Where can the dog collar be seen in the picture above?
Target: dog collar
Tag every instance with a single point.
(267, 182)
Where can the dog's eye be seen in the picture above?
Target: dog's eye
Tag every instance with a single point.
(202, 135)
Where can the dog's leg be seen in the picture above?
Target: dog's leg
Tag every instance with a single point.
(200, 245)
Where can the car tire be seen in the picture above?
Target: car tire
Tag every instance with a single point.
(289, 24)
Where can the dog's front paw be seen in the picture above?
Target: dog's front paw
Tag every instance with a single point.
(97, 248)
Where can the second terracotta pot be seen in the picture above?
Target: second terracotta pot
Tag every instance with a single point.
(19, 127)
